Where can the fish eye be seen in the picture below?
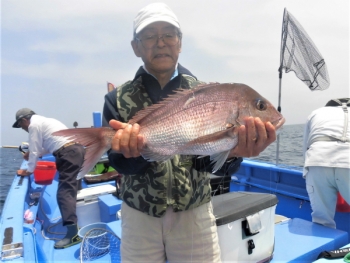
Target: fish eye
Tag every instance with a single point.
(261, 105)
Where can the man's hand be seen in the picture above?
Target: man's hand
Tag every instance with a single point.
(127, 140)
(22, 172)
(253, 138)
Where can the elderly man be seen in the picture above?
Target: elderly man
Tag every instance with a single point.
(166, 214)
(69, 159)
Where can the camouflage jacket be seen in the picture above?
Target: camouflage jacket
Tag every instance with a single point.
(171, 183)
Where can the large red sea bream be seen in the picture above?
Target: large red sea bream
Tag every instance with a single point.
(201, 121)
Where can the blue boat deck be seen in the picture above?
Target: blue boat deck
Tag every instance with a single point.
(296, 239)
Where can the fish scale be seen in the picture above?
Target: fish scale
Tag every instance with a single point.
(193, 115)
(200, 121)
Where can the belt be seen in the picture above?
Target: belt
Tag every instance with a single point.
(65, 146)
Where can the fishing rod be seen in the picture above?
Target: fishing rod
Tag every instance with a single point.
(21, 148)
(9, 146)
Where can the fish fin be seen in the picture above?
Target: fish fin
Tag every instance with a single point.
(154, 157)
(110, 87)
(92, 156)
(95, 140)
(219, 159)
(179, 94)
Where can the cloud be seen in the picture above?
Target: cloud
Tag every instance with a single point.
(58, 55)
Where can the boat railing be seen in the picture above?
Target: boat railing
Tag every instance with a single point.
(12, 226)
(269, 177)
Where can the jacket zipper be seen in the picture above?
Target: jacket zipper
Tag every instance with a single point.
(170, 183)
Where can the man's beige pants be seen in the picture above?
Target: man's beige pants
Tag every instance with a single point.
(187, 236)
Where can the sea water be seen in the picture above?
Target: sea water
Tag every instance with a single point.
(288, 148)
(10, 161)
(290, 153)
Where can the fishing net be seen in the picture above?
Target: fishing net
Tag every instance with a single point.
(299, 54)
(102, 244)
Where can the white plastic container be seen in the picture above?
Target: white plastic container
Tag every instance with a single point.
(245, 223)
(88, 210)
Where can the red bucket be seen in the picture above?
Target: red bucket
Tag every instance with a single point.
(342, 205)
(44, 172)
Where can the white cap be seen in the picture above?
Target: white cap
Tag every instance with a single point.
(155, 12)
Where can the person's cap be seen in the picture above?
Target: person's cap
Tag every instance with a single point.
(21, 114)
(156, 12)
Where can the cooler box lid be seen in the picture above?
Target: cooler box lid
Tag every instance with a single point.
(232, 206)
(93, 192)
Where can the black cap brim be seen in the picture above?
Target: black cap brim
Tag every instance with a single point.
(15, 125)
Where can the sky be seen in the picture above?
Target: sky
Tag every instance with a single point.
(57, 56)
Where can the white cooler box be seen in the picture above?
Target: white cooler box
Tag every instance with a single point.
(88, 210)
(245, 223)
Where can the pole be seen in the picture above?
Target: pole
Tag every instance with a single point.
(283, 46)
(279, 110)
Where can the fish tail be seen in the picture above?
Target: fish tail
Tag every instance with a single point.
(96, 141)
